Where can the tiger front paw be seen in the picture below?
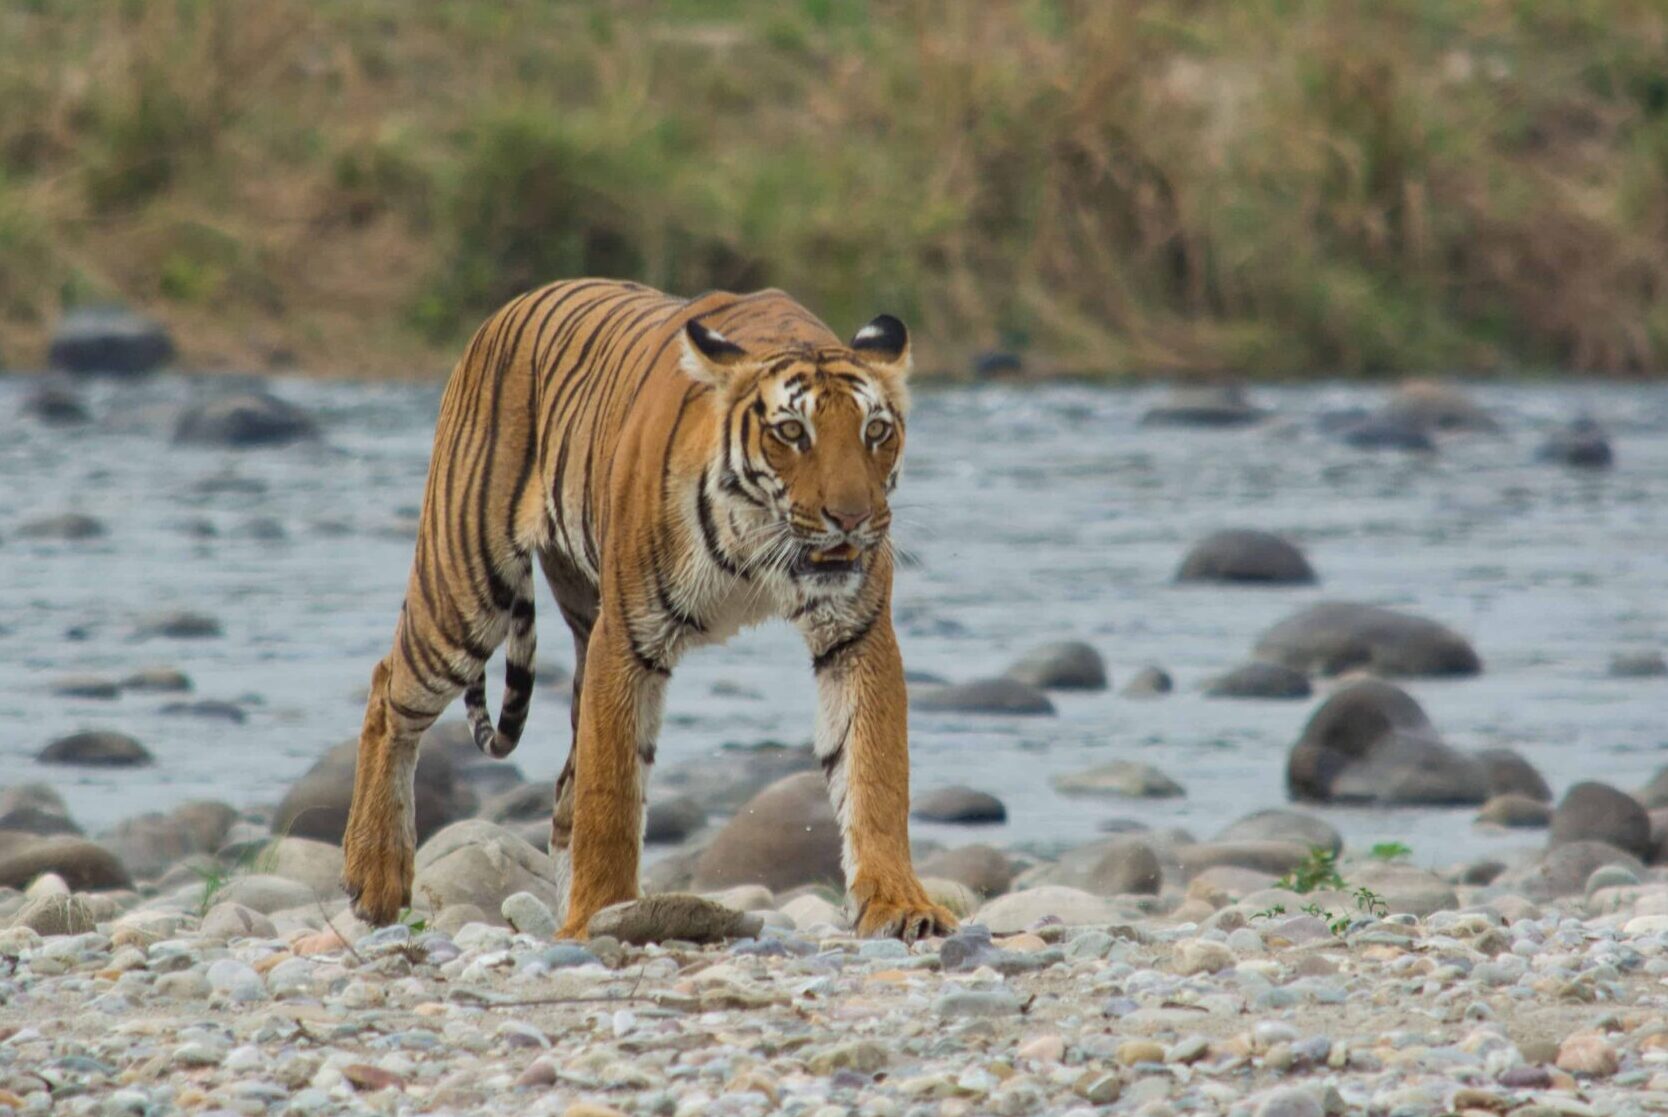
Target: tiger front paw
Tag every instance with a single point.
(377, 878)
(908, 919)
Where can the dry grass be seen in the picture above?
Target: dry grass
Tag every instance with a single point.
(1268, 187)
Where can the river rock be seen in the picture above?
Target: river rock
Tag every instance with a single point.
(1112, 867)
(246, 419)
(1338, 636)
(67, 527)
(985, 869)
(1383, 432)
(810, 910)
(669, 819)
(1275, 857)
(85, 686)
(150, 844)
(1638, 665)
(997, 364)
(1281, 825)
(57, 406)
(1214, 405)
(265, 893)
(982, 696)
(227, 920)
(316, 864)
(84, 865)
(1120, 778)
(109, 340)
(57, 915)
(1017, 911)
(783, 837)
(1289, 1101)
(96, 748)
(1149, 682)
(1062, 665)
(525, 802)
(674, 915)
(1508, 773)
(207, 820)
(724, 780)
(1581, 445)
(1246, 555)
(180, 624)
(477, 862)
(472, 770)
(959, 804)
(35, 808)
(529, 915)
(1437, 406)
(1371, 742)
(1655, 793)
(316, 805)
(1589, 1055)
(158, 680)
(1516, 811)
(1593, 811)
(1403, 888)
(1259, 679)
(1563, 869)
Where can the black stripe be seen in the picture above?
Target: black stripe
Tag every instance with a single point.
(407, 712)
(517, 678)
(647, 663)
(828, 655)
(709, 532)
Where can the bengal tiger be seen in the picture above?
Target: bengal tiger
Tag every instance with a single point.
(680, 468)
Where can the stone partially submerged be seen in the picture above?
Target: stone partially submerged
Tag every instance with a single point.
(1338, 636)
(1371, 742)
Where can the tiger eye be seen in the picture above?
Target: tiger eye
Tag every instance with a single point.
(877, 430)
(790, 430)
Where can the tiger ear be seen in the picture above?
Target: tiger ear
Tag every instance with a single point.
(709, 356)
(884, 341)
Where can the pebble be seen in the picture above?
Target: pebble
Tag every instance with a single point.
(529, 915)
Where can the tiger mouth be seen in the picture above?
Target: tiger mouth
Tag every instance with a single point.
(829, 560)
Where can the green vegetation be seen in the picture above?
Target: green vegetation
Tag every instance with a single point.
(1273, 187)
(1390, 851)
(1318, 870)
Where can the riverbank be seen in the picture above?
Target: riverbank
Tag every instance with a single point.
(1269, 189)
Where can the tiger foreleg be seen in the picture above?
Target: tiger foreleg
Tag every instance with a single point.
(614, 748)
(862, 742)
(379, 843)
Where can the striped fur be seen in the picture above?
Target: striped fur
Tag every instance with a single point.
(679, 469)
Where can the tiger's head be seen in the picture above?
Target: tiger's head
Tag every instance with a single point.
(811, 440)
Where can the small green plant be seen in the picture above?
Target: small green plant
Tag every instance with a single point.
(414, 921)
(214, 878)
(1270, 912)
(1371, 902)
(1318, 870)
(1390, 851)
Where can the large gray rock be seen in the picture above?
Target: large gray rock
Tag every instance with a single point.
(1510, 774)
(85, 866)
(674, 915)
(316, 805)
(1378, 431)
(1338, 636)
(728, 777)
(1563, 870)
(1211, 405)
(1246, 555)
(476, 862)
(1113, 867)
(1434, 405)
(471, 767)
(56, 406)
(1404, 888)
(66, 527)
(1596, 812)
(1062, 665)
(1018, 910)
(959, 804)
(57, 915)
(1516, 812)
(1638, 665)
(109, 340)
(783, 837)
(1130, 779)
(985, 869)
(1371, 742)
(672, 818)
(1581, 445)
(35, 808)
(247, 419)
(1149, 682)
(982, 696)
(1273, 856)
(316, 864)
(264, 893)
(1259, 679)
(96, 748)
(150, 844)
(1281, 825)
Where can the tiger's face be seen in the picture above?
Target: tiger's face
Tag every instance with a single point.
(811, 446)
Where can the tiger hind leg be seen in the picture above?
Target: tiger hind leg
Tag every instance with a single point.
(519, 650)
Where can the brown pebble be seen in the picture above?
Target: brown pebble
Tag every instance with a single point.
(538, 1073)
(1589, 1055)
(1135, 1051)
(364, 1076)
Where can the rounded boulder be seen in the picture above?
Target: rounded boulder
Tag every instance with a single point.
(1261, 680)
(982, 696)
(959, 804)
(1596, 812)
(1245, 555)
(249, 419)
(96, 748)
(783, 837)
(1062, 665)
(1338, 636)
(1371, 742)
(316, 805)
(109, 340)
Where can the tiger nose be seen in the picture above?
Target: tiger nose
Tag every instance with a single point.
(846, 519)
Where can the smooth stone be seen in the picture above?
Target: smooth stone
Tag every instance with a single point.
(1338, 636)
(1592, 811)
(1371, 742)
(1243, 555)
(1113, 867)
(480, 864)
(58, 914)
(1638, 665)
(1062, 665)
(266, 894)
(158, 680)
(180, 624)
(67, 527)
(1588, 1055)
(1283, 825)
(529, 915)
(983, 868)
(1119, 778)
(230, 920)
(1260, 680)
(316, 805)
(109, 340)
(959, 804)
(1508, 773)
(667, 820)
(1000, 696)
(963, 1003)
(96, 748)
(56, 406)
(674, 915)
(1563, 870)
(1290, 1102)
(1018, 911)
(783, 837)
(1149, 682)
(84, 865)
(1516, 811)
(246, 419)
(85, 686)
(1582, 444)
(1204, 406)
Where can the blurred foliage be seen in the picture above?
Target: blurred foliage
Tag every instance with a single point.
(1272, 187)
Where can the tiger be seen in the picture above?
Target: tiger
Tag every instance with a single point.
(680, 469)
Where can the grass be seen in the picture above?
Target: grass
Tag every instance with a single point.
(1266, 187)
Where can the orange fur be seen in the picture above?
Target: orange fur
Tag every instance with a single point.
(680, 469)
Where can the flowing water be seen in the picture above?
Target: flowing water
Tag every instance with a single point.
(1035, 514)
